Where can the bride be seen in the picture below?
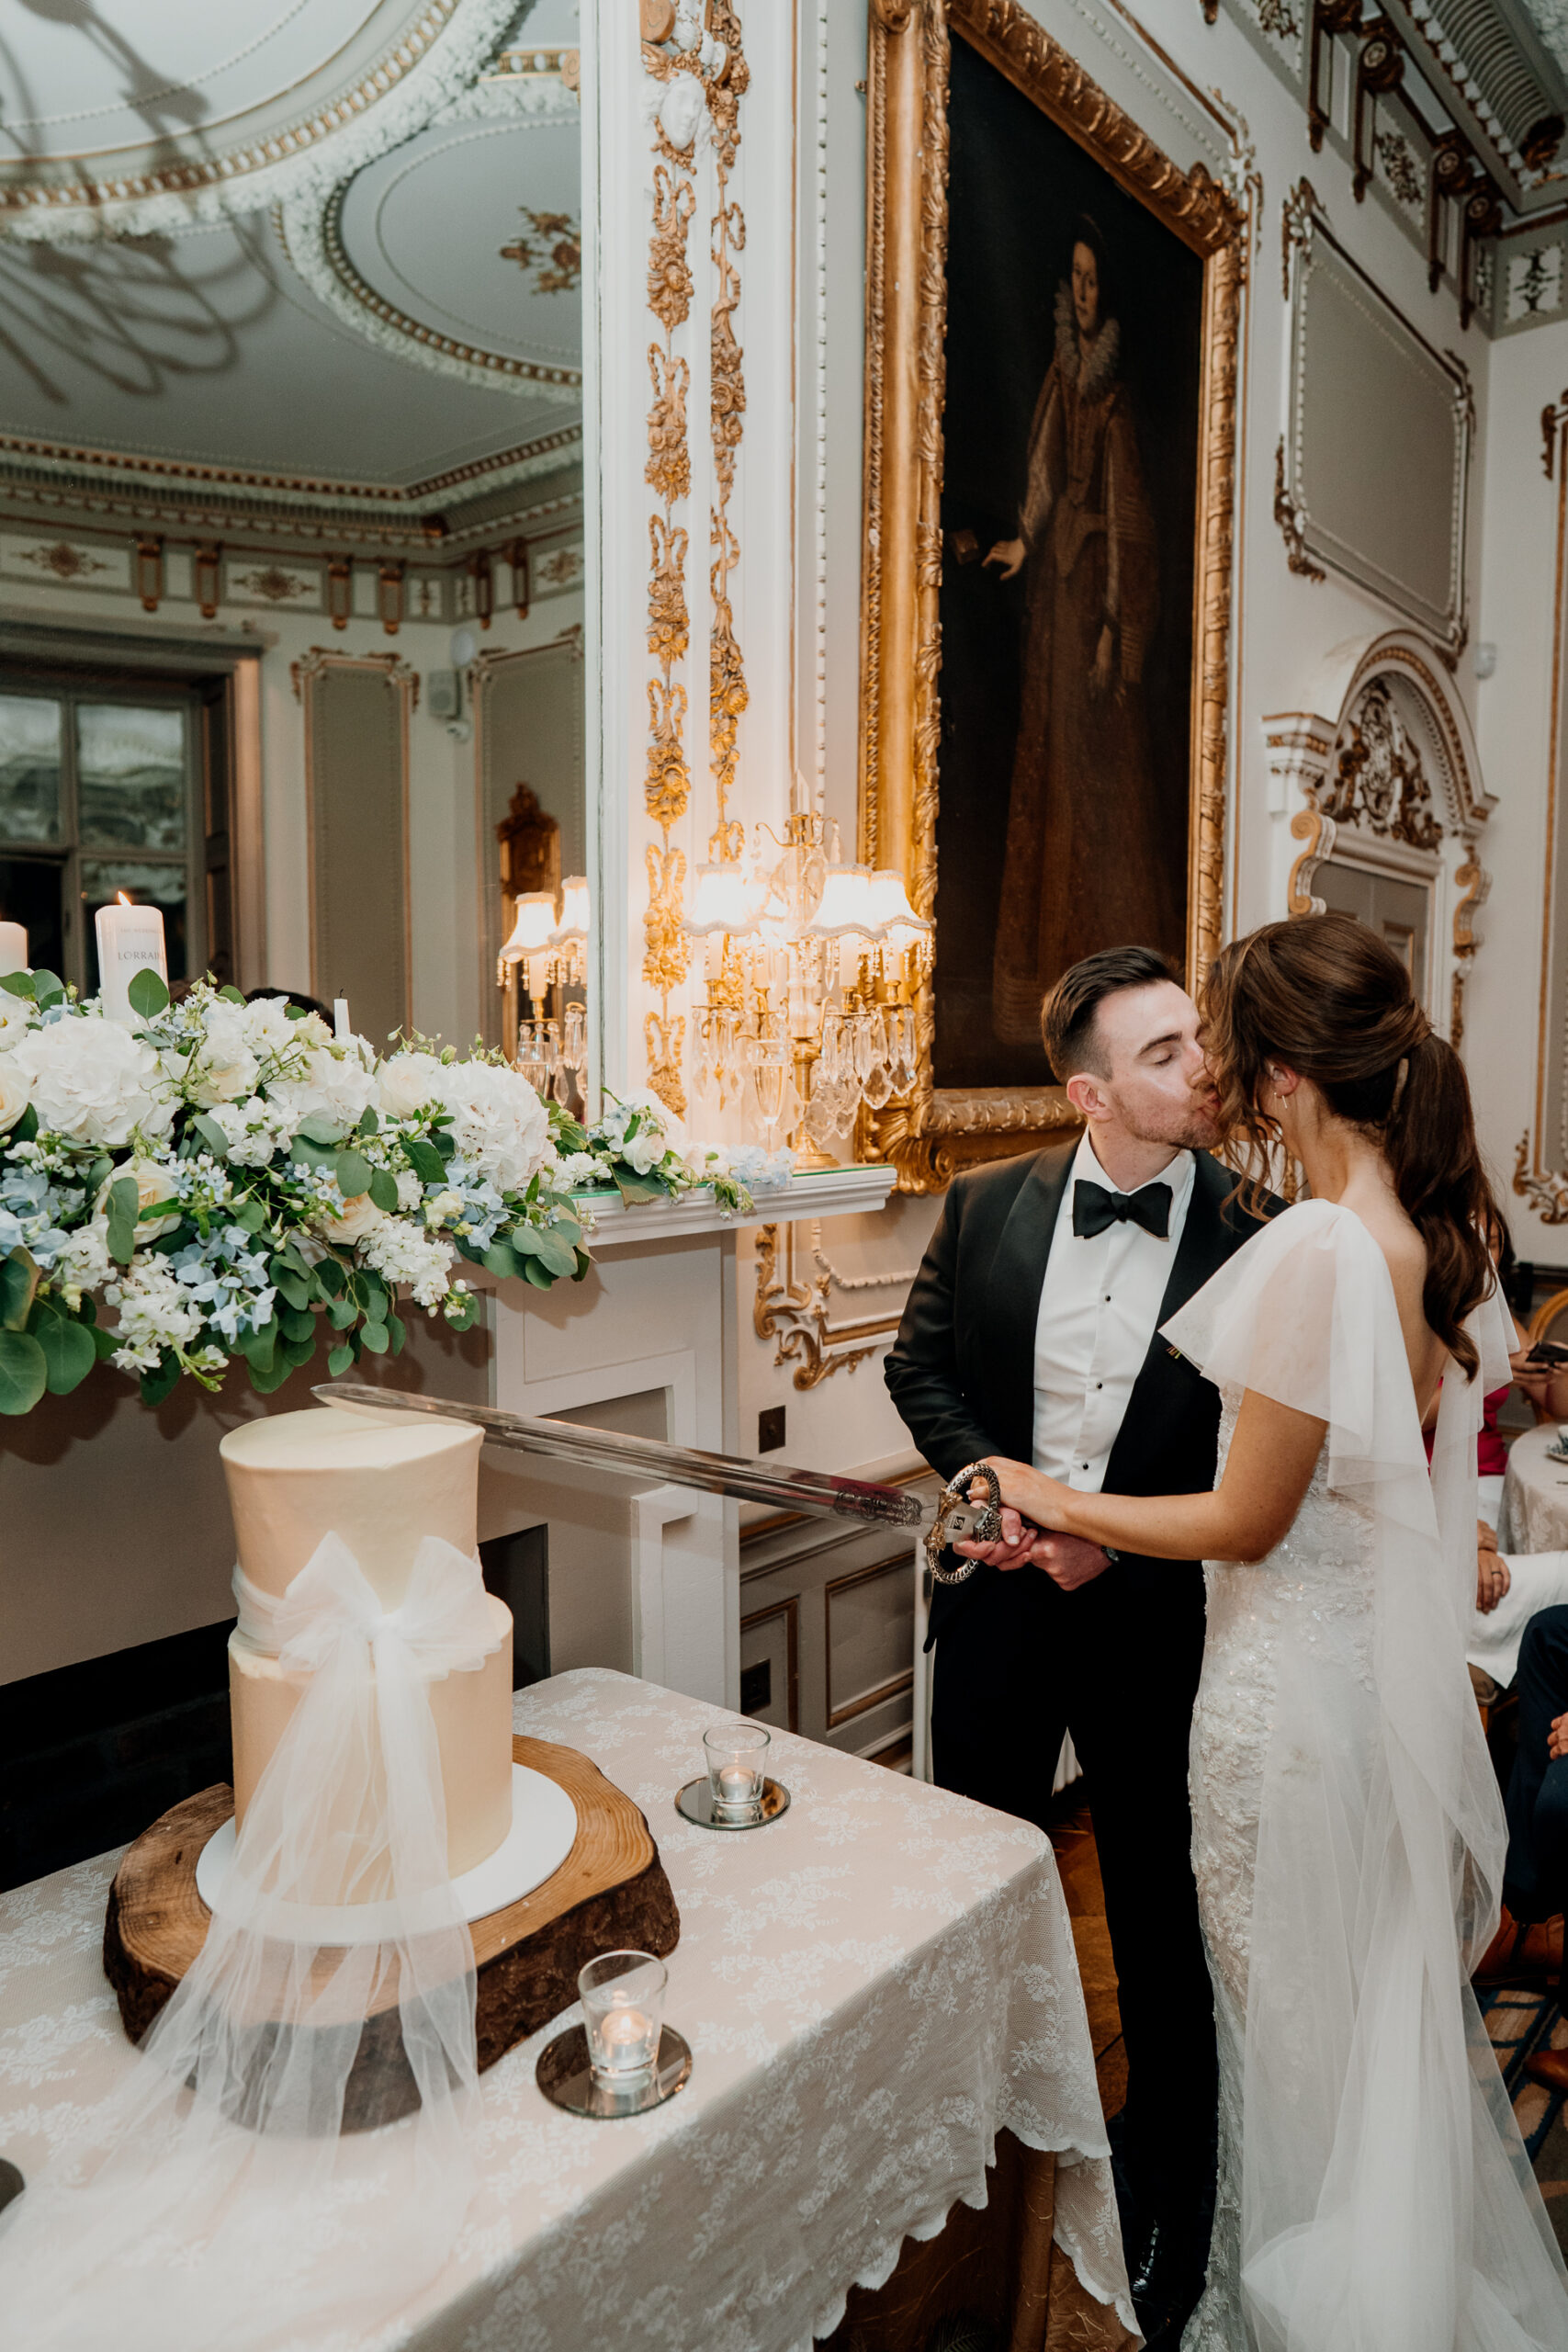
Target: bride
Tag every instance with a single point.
(1374, 2194)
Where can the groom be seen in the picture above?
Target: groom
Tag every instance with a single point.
(1030, 1331)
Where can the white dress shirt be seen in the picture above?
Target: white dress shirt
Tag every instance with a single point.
(1099, 1305)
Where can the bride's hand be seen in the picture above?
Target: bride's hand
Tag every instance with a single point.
(1015, 1546)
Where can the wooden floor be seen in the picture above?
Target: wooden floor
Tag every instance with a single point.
(1072, 1835)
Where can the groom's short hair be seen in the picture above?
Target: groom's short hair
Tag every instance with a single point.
(1069, 1018)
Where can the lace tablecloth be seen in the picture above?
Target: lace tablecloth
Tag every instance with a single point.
(1534, 1515)
(872, 1986)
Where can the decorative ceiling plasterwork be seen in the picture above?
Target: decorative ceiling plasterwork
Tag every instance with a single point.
(404, 62)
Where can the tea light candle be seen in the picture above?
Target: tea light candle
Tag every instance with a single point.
(737, 1785)
(13, 948)
(341, 1025)
(625, 2034)
(130, 940)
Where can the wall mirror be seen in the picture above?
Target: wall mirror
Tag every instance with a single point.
(291, 559)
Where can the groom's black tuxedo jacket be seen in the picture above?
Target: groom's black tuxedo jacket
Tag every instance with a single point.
(962, 1369)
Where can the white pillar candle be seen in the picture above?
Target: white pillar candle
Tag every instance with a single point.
(130, 940)
(13, 948)
(342, 1026)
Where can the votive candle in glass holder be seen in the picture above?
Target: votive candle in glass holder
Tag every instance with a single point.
(623, 2011)
(737, 1759)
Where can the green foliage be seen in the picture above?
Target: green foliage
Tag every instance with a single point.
(69, 1353)
(384, 1190)
(19, 1282)
(24, 1372)
(123, 1212)
(156, 1386)
(353, 1172)
(425, 1159)
(148, 995)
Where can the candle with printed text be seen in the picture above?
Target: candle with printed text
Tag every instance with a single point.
(130, 940)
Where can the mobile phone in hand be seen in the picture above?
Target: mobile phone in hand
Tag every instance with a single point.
(1550, 1353)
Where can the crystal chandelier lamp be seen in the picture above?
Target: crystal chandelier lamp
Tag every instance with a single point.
(812, 967)
(549, 949)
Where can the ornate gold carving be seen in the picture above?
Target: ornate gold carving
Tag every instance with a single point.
(1295, 220)
(65, 562)
(556, 259)
(1291, 520)
(796, 1313)
(1547, 1193)
(1553, 417)
(728, 694)
(664, 1041)
(1472, 883)
(669, 469)
(207, 574)
(1314, 830)
(147, 567)
(1380, 780)
(935, 1134)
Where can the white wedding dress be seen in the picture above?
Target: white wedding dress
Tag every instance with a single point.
(1374, 2194)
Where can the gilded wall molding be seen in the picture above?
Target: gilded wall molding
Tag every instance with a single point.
(936, 1132)
(1541, 1167)
(795, 1310)
(728, 694)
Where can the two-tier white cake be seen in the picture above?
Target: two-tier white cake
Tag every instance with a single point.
(382, 1484)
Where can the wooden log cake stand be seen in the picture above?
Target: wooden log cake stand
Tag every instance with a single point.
(609, 1895)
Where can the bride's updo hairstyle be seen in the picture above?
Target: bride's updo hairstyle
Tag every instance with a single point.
(1325, 996)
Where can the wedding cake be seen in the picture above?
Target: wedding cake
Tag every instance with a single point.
(380, 1484)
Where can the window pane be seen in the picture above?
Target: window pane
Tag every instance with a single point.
(130, 771)
(30, 769)
(32, 893)
(158, 886)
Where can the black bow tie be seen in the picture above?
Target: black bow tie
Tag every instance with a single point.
(1094, 1208)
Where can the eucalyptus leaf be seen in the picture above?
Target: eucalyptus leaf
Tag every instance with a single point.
(295, 1012)
(538, 1274)
(103, 1342)
(231, 995)
(156, 1386)
(250, 1216)
(342, 1314)
(396, 1333)
(555, 1250)
(295, 1288)
(17, 984)
(329, 1278)
(295, 1325)
(148, 994)
(48, 988)
(297, 1352)
(265, 1377)
(374, 1336)
(124, 1206)
(339, 1360)
(69, 1355)
(24, 1372)
(369, 1124)
(320, 1128)
(353, 1172)
(25, 1127)
(501, 1258)
(425, 1159)
(384, 1190)
(635, 1190)
(18, 1280)
(583, 1262)
(211, 1134)
(256, 1347)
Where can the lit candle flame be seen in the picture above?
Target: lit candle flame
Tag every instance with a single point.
(123, 900)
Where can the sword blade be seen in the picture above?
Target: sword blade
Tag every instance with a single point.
(742, 1477)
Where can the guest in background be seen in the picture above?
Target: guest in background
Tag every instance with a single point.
(1526, 1950)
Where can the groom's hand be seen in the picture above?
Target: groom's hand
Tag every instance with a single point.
(1014, 1548)
(1068, 1560)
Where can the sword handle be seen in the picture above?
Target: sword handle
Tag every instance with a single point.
(982, 1526)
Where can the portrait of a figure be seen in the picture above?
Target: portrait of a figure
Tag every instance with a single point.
(1070, 427)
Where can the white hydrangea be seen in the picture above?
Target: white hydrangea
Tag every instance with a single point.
(256, 1130)
(336, 1086)
(498, 1121)
(94, 1082)
(156, 1313)
(270, 1032)
(406, 1083)
(409, 1258)
(576, 1168)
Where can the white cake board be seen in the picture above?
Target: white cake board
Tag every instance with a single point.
(543, 1830)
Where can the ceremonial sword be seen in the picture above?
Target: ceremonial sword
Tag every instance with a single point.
(951, 1518)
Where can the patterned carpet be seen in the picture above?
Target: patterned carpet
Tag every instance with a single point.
(1520, 2023)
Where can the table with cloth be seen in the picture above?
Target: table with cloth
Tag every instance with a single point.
(874, 1988)
(1534, 1513)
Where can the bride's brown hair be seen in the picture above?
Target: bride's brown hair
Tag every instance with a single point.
(1326, 997)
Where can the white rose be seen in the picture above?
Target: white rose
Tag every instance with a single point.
(406, 1083)
(644, 1150)
(266, 1025)
(16, 1016)
(94, 1082)
(153, 1183)
(498, 1121)
(360, 1217)
(336, 1087)
(16, 1092)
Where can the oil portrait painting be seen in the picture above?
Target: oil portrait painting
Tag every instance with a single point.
(1074, 369)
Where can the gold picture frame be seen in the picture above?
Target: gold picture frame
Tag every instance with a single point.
(936, 1131)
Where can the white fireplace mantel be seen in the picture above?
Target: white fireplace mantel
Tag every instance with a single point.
(646, 1578)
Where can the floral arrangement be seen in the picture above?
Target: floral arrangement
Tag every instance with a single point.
(636, 1147)
(231, 1180)
(221, 1180)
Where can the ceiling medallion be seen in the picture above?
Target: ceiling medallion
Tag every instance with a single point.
(309, 232)
(434, 59)
(65, 562)
(557, 266)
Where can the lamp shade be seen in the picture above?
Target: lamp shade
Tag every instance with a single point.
(900, 924)
(535, 913)
(723, 899)
(846, 908)
(572, 928)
